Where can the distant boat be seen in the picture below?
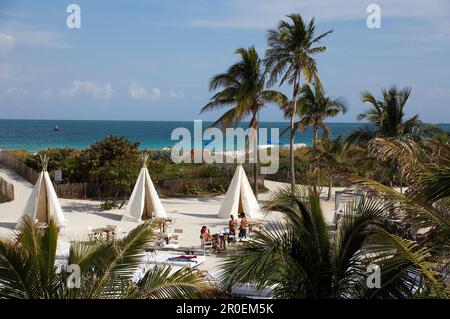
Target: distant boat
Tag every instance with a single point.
(56, 128)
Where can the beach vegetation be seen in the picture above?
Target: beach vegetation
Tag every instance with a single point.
(300, 257)
(29, 268)
(292, 46)
(244, 92)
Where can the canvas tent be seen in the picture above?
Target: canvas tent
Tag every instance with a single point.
(240, 198)
(144, 201)
(43, 203)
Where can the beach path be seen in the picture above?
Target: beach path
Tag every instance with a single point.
(10, 211)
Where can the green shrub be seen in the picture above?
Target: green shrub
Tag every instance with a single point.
(216, 188)
(108, 205)
(191, 189)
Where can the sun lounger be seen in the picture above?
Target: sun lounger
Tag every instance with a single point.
(188, 261)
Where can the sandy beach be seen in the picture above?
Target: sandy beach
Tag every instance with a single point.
(189, 214)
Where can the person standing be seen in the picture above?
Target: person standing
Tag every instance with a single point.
(243, 227)
(233, 224)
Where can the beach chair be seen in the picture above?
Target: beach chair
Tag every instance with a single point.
(178, 232)
(111, 227)
(175, 240)
(206, 245)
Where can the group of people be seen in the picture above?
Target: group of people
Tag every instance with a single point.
(205, 233)
(233, 226)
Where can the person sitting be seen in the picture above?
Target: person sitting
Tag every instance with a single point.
(243, 227)
(232, 225)
(216, 241)
(205, 234)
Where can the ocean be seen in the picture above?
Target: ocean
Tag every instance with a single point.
(34, 135)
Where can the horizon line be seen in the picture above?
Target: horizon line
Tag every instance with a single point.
(125, 120)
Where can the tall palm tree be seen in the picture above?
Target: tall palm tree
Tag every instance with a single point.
(292, 46)
(315, 107)
(386, 117)
(244, 93)
(28, 268)
(331, 156)
(425, 166)
(298, 258)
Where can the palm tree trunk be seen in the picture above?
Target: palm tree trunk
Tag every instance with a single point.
(256, 167)
(291, 149)
(291, 141)
(330, 186)
(316, 132)
(254, 125)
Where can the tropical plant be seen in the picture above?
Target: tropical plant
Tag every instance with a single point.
(244, 92)
(425, 208)
(292, 46)
(29, 269)
(425, 166)
(299, 259)
(315, 107)
(386, 117)
(331, 157)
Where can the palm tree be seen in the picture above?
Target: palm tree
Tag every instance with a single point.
(386, 117)
(28, 268)
(425, 166)
(331, 156)
(299, 259)
(243, 91)
(292, 46)
(315, 107)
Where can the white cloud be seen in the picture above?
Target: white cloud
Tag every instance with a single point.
(15, 92)
(266, 13)
(177, 95)
(45, 94)
(138, 92)
(35, 36)
(7, 43)
(88, 88)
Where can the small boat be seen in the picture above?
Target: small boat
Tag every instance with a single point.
(56, 128)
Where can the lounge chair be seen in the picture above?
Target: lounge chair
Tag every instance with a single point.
(206, 245)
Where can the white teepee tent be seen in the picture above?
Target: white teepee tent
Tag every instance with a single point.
(240, 198)
(43, 203)
(144, 201)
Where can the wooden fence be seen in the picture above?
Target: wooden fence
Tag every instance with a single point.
(76, 190)
(19, 167)
(89, 190)
(166, 188)
(6, 190)
(177, 186)
(281, 176)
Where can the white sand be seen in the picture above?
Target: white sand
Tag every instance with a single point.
(190, 214)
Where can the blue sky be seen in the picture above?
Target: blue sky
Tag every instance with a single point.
(152, 59)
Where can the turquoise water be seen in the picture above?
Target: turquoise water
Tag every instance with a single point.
(34, 135)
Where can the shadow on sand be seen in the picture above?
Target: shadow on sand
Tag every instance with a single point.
(8, 225)
(116, 217)
(199, 215)
(13, 176)
(80, 207)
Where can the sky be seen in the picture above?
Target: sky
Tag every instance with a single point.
(153, 59)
